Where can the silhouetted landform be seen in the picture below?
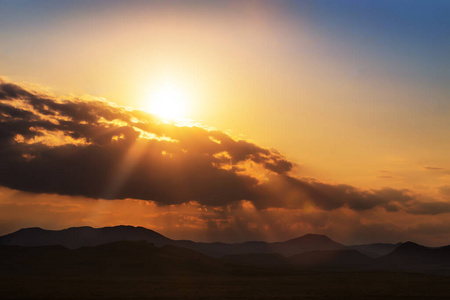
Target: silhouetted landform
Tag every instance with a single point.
(302, 244)
(87, 236)
(328, 259)
(128, 245)
(412, 256)
(77, 237)
(257, 259)
(141, 270)
(305, 285)
(338, 258)
(124, 258)
(141, 257)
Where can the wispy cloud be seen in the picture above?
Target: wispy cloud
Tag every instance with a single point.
(432, 168)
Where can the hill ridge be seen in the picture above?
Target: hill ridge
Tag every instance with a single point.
(76, 237)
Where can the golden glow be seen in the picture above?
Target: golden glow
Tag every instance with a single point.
(169, 101)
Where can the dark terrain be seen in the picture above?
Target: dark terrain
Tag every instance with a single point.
(312, 285)
(127, 262)
(87, 236)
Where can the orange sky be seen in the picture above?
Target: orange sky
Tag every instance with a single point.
(346, 100)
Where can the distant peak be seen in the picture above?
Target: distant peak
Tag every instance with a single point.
(311, 237)
(118, 228)
(30, 229)
(315, 236)
(108, 227)
(79, 227)
(125, 227)
(411, 245)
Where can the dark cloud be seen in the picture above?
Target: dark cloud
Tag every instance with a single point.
(429, 208)
(98, 150)
(292, 192)
(95, 149)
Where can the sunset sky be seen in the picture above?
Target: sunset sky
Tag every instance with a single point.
(228, 120)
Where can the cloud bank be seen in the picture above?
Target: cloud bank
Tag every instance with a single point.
(92, 148)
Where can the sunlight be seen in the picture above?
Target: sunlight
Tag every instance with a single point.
(169, 101)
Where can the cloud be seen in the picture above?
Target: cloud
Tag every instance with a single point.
(236, 222)
(292, 192)
(93, 148)
(429, 208)
(432, 168)
(445, 191)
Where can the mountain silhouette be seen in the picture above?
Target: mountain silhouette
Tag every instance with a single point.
(142, 270)
(137, 250)
(77, 237)
(120, 258)
(308, 242)
(302, 244)
(138, 245)
(410, 254)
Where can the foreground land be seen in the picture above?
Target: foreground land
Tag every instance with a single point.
(308, 285)
(140, 270)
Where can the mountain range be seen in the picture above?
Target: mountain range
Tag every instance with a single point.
(77, 237)
(144, 250)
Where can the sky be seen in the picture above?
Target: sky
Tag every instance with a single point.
(228, 120)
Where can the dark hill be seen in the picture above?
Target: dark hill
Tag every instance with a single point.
(412, 254)
(302, 244)
(118, 258)
(76, 237)
(308, 242)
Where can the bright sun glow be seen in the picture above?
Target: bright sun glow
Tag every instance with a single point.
(169, 102)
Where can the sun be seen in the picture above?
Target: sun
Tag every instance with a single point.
(169, 101)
